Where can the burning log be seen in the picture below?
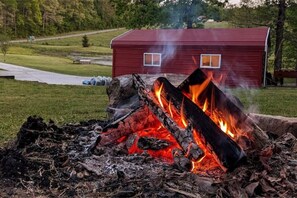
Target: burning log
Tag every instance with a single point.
(227, 152)
(149, 143)
(184, 137)
(225, 105)
(136, 120)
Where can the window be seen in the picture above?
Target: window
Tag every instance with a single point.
(210, 61)
(152, 59)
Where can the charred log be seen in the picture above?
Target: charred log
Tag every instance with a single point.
(121, 128)
(227, 152)
(225, 105)
(183, 163)
(184, 137)
(150, 143)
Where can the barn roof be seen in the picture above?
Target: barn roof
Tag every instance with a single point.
(207, 37)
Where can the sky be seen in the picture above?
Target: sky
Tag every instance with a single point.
(234, 1)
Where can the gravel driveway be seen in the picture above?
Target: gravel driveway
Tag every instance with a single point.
(28, 74)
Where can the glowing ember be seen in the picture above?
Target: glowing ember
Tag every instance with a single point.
(227, 125)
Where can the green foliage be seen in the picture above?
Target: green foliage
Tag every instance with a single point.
(4, 44)
(139, 13)
(23, 18)
(85, 41)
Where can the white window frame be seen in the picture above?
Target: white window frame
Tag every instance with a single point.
(210, 66)
(152, 64)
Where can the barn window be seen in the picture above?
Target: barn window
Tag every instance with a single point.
(210, 60)
(152, 59)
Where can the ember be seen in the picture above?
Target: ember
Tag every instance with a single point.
(197, 126)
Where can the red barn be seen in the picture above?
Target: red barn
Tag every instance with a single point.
(240, 54)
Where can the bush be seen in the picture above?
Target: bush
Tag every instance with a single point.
(85, 41)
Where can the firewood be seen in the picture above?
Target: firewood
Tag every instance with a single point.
(184, 137)
(227, 153)
(150, 143)
(181, 161)
(136, 120)
(227, 106)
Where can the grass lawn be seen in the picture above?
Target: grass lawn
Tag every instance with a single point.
(58, 65)
(101, 39)
(52, 55)
(273, 100)
(63, 104)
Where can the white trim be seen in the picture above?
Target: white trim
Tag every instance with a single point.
(118, 37)
(211, 67)
(266, 58)
(152, 64)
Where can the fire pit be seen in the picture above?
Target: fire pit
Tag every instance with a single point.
(194, 125)
(163, 141)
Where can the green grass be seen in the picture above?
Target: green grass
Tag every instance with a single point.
(101, 39)
(63, 104)
(223, 24)
(57, 64)
(273, 100)
(52, 55)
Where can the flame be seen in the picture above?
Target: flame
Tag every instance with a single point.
(224, 128)
(205, 105)
(183, 118)
(158, 94)
(196, 90)
(225, 122)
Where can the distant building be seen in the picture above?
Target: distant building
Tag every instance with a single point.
(238, 54)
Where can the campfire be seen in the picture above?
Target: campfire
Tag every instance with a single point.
(194, 126)
(185, 139)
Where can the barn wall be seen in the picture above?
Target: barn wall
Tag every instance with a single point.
(239, 65)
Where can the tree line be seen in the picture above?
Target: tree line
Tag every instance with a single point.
(21, 18)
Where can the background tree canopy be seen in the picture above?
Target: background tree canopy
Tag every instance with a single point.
(22, 18)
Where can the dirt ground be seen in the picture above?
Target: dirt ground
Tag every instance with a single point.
(47, 160)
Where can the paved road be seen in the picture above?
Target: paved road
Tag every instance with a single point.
(28, 74)
(65, 36)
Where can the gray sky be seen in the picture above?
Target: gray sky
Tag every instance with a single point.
(234, 1)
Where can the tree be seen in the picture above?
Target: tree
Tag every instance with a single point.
(51, 11)
(185, 13)
(138, 13)
(85, 41)
(279, 34)
(4, 44)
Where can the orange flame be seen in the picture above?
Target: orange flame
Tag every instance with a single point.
(158, 94)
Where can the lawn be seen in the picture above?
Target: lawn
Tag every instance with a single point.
(58, 65)
(272, 100)
(53, 55)
(63, 104)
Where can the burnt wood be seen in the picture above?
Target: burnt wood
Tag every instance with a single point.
(183, 163)
(227, 106)
(228, 154)
(184, 137)
(150, 143)
(132, 122)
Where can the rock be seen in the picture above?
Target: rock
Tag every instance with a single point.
(277, 125)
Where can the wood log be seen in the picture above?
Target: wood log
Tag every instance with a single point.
(227, 106)
(181, 161)
(136, 120)
(150, 143)
(184, 137)
(227, 153)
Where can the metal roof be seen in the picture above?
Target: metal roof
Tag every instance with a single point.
(208, 37)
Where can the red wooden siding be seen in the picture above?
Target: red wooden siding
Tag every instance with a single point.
(241, 65)
(242, 52)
